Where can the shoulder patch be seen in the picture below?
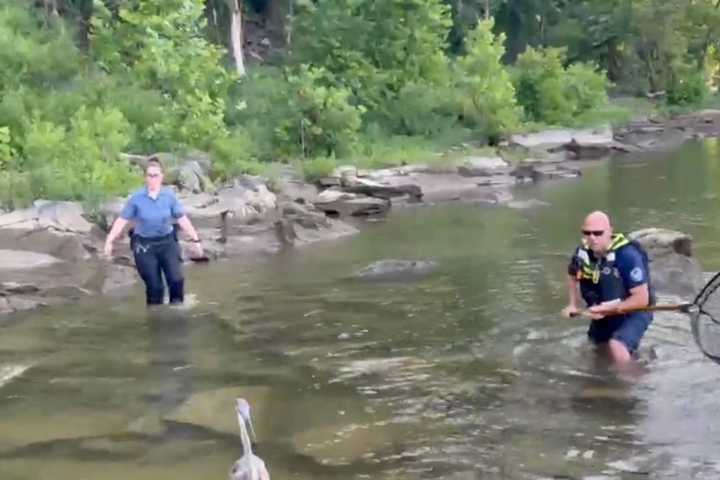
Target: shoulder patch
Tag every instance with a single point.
(637, 274)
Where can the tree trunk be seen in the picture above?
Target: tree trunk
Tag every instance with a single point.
(236, 36)
(487, 9)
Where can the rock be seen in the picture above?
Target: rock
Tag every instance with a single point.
(402, 171)
(345, 171)
(527, 204)
(482, 163)
(379, 190)
(534, 173)
(356, 207)
(344, 443)
(296, 191)
(191, 176)
(189, 171)
(673, 269)
(19, 303)
(215, 409)
(590, 151)
(496, 181)
(335, 229)
(61, 216)
(396, 269)
(254, 193)
(25, 260)
(344, 204)
(18, 288)
(305, 216)
(553, 138)
(327, 182)
(118, 280)
(23, 427)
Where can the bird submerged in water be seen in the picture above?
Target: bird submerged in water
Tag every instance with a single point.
(249, 466)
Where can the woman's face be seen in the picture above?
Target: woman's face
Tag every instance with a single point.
(153, 177)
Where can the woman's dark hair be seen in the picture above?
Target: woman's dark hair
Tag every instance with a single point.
(154, 161)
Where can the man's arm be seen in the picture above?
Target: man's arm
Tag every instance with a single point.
(572, 282)
(639, 298)
(635, 276)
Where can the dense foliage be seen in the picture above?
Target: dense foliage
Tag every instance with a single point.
(83, 81)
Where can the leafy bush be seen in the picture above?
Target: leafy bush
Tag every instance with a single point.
(420, 108)
(688, 89)
(486, 83)
(325, 123)
(548, 92)
(81, 161)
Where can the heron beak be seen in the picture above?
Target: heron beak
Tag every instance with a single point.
(251, 429)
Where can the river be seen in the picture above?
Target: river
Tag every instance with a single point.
(465, 373)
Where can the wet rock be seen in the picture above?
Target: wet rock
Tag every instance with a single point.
(118, 280)
(396, 269)
(591, 151)
(673, 269)
(344, 443)
(495, 197)
(25, 260)
(379, 190)
(215, 409)
(23, 427)
(344, 204)
(497, 181)
(527, 204)
(8, 373)
(530, 172)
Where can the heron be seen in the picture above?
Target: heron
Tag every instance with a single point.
(249, 466)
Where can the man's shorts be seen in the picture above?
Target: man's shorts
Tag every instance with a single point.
(627, 329)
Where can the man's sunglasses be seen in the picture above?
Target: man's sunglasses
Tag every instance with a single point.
(152, 175)
(596, 233)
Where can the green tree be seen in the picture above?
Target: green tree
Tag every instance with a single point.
(160, 45)
(486, 82)
(375, 47)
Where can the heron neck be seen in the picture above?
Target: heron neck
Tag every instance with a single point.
(244, 437)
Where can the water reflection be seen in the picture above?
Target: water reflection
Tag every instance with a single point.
(169, 368)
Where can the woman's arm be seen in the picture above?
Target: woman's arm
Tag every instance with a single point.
(116, 230)
(188, 228)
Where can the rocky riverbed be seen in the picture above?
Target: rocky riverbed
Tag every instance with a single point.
(51, 252)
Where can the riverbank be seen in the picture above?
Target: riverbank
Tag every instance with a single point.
(51, 253)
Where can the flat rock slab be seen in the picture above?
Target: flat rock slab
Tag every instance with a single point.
(24, 260)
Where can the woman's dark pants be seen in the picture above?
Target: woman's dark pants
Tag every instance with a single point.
(155, 257)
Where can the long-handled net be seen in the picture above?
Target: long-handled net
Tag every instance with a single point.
(704, 314)
(705, 319)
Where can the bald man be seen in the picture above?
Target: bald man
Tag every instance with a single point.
(613, 275)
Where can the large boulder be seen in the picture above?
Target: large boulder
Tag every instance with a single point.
(673, 269)
(393, 269)
(189, 171)
(25, 260)
(549, 139)
(345, 204)
(59, 216)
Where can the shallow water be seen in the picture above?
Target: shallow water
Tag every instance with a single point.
(466, 373)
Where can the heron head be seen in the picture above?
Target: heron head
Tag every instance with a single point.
(242, 407)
